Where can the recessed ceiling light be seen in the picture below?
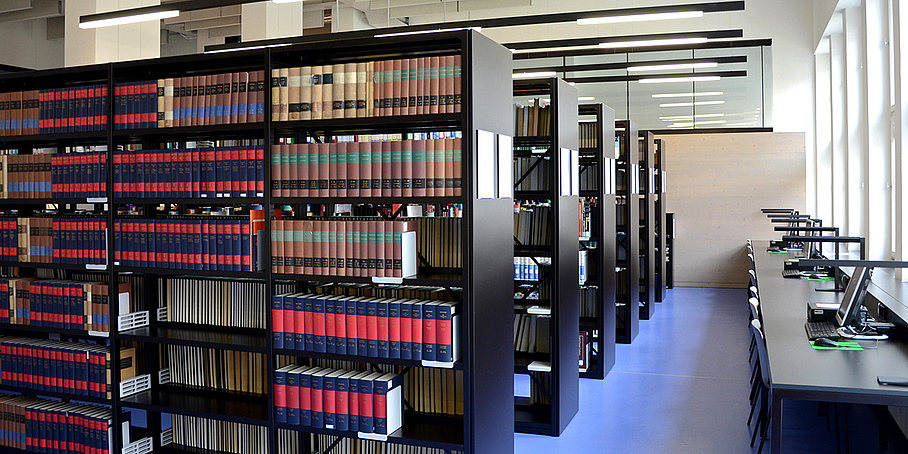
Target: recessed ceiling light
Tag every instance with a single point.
(423, 32)
(533, 75)
(698, 65)
(690, 117)
(691, 104)
(586, 98)
(131, 19)
(639, 17)
(688, 95)
(652, 42)
(668, 80)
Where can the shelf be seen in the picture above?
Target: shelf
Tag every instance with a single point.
(400, 123)
(170, 272)
(541, 152)
(589, 193)
(428, 279)
(97, 137)
(418, 430)
(526, 281)
(66, 396)
(532, 251)
(25, 329)
(242, 408)
(533, 195)
(362, 359)
(365, 200)
(529, 141)
(180, 449)
(55, 266)
(9, 202)
(199, 338)
(532, 418)
(522, 360)
(190, 201)
(210, 132)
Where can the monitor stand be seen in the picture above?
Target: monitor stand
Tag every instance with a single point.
(847, 332)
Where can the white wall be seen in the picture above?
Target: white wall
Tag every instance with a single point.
(32, 49)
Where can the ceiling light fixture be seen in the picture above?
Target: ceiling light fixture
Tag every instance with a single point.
(688, 95)
(423, 32)
(533, 75)
(652, 42)
(690, 117)
(699, 65)
(639, 17)
(586, 98)
(125, 17)
(691, 104)
(250, 47)
(666, 80)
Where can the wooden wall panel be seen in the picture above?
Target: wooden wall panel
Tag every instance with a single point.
(717, 184)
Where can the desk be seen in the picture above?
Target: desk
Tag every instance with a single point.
(800, 372)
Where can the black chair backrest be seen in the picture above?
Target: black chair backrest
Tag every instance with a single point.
(763, 356)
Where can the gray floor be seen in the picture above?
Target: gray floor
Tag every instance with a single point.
(682, 387)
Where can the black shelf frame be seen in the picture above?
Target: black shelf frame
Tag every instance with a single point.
(601, 260)
(647, 202)
(669, 250)
(562, 276)
(487, 356)
(659, 222)
(627, 233)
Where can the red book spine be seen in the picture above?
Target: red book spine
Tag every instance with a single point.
(170, 229)
(195, 159)
(237, 257)
(340, 325)
(305, 398)
(246, 184)
(295, 396)
(316, 400)
(330, 322)
(233, 186)
(195, 229)
(259, 175)
(183, 255)
(365, 404)
(206, 233)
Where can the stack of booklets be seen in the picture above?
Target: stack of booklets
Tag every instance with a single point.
(362, 326)
(339, 247)
(61, 367)
(59, 303)
(221, 172)
(61, 176)
(234, 303)
(342, 400)
(72, 240)
(414, 86)
(214, 99)
(221, 243)
(430, 167)
(55, 110)
(34, 424)
(219, 436)
(223, 370)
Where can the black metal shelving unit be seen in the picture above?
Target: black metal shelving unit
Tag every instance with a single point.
(597, 170)
(555, 378)
(627, 232)
(659, 230)
(487, 361)
(669, 250)
(647, 228)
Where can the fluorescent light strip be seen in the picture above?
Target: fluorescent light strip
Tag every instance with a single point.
(553, 49)
(691, 104)
(423, 32)
(688, 95)
(707, 64)
(586, 98)
(696, 123)
(533, 75)
(237, 49)
(690, 117)
(287, 1)
(652, 42)
(639, 17)
(129, 19)
(667, 80)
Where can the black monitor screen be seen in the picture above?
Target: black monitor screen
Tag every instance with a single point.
(850, 307)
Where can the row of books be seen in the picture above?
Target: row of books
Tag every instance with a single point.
(55, 110)
(216, 172)
(435, 391)
(235, 303)
(387, 291)
(589, 302)
(71, 240)
(339, 399)
(584, 267)
(58, 176)
(63, 367)
(338, 247)
(531, 333)
(358, 446)
(440, 241)
(59, 304)
(430, 167)
(218, 436)
(533, 223)
(362, 326)
(192, 242)
(585, 217)
(226, 370)
(214, 99)
(534, 120)
(414, 86)
(534, 173)
(586, 349)
(34, 424)
(589, 135)
(526, 269)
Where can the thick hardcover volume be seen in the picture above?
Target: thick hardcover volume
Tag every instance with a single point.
(280, 393)
(306, 93)
(387, 393)
(293, 90)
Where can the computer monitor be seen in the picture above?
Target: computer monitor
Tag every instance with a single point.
(850, 308)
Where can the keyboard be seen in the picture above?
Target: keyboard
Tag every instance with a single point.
(795, 274)
(816, 330)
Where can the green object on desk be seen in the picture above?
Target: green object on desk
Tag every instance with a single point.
(843, 345)
(824, 278)
(777, 252)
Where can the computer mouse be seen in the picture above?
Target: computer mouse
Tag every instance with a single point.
(814, 276)
(824, 342)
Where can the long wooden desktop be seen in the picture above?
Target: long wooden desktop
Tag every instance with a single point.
(800, 372)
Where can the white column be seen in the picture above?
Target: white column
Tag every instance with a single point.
(839, 127)
(876, 17)
(900, 26)
(823, 139)
(856, 120)
(107, 44)
(266, 20)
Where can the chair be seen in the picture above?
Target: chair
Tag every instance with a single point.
(765, 386)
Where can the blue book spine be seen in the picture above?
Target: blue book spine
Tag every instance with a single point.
(318, 321)
(330, 326)
(340, 322)
(366, 420)
(299, 328)
(316, 383)
(310, 335)
(351, 323)
(416, 336)
(372, 329)
(329, 401)
(342, 390)
(382, 321)
(280, 388)
(353, 399)
(428, 345)
(380, 398)
(290, 330)
(305, 391)
(406, 331)
(293, 412)
(394, 338)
